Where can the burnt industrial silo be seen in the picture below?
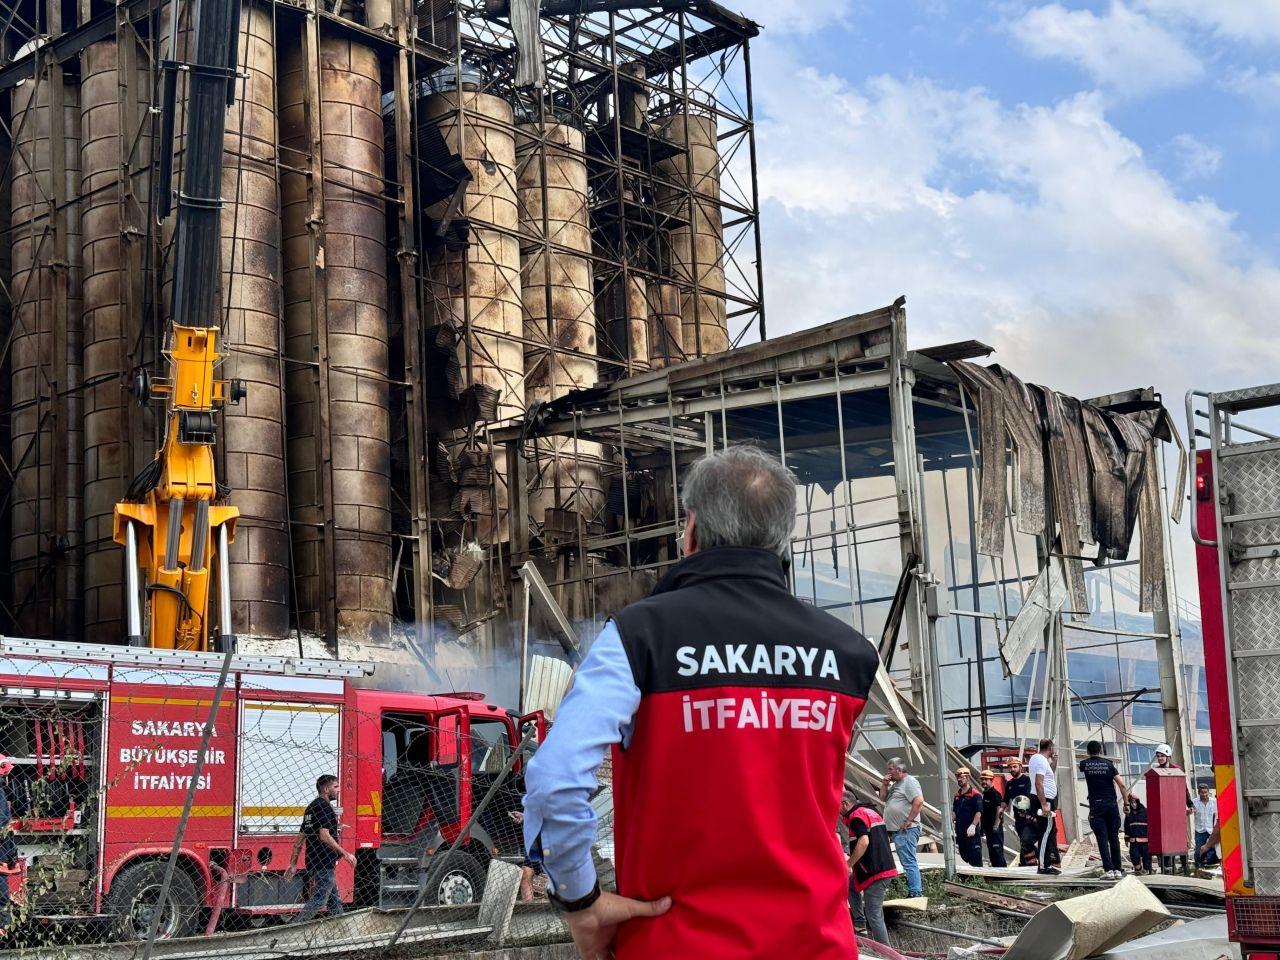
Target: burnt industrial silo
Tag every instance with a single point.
(336, 350)
(46, 429)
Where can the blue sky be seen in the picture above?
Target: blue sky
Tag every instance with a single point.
(1191, 120)
(1088, 186)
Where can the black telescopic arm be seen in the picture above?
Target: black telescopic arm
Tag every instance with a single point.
(210, 90)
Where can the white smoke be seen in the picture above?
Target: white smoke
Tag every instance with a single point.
(484, 661)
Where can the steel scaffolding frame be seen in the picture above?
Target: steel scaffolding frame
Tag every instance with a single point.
(695, 59)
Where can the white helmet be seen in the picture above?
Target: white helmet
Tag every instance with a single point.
(1022, 803)
(1165, 750)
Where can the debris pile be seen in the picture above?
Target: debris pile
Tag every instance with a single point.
(1018, 915)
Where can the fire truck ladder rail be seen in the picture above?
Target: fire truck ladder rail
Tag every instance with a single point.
(188, 660)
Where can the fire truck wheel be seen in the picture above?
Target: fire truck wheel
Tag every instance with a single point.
(135, 894)
(461, 881)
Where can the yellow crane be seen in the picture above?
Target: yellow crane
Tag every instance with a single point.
(174, 523)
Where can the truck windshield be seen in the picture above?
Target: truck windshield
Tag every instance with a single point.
(490, 746)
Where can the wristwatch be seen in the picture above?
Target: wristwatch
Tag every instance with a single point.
(573, 906)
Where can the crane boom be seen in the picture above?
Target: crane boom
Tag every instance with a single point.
(174, 522)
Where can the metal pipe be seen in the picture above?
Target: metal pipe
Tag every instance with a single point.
(569, 8)
(755, 185)
(524, 650)
(132, 601)
(1236, 424)
(933, 600)
(226, 636)
(199, 536)
(950, 933)
(173, 534)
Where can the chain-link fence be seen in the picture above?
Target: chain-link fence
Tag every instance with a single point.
(159, 813)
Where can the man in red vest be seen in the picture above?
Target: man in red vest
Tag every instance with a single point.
(729, 705)
(871, 869)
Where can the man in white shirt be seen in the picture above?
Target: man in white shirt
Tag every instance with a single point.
(1044, 783)
(1205, 813)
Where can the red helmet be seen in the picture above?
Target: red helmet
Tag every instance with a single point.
(6, 765)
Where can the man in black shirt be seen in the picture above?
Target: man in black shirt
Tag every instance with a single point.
(1103, 779)
(319, 831)
(993, 819)
(1018, 784)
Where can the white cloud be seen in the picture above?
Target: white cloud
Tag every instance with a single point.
(1259, 86)
(1254, 21)
(1196, 158)
(1039, 229)
(1121, 49)
(795, 16)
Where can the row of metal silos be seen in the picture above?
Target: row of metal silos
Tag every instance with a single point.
(305, 317)
(543, 286)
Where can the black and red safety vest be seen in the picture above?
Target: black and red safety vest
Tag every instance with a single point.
(725, 796)
(876, 862)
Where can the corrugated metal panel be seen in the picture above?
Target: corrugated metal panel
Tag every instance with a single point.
(549, 680)
(284, 748)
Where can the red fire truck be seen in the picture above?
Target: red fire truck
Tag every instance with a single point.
(1236, 525)
(104, 742)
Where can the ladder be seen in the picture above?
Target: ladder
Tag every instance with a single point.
(1246, 495)
(181, 659)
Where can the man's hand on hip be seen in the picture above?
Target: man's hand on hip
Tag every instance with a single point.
(594, 928)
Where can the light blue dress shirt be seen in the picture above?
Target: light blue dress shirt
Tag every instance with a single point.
(597, 712)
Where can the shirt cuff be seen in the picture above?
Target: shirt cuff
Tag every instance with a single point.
(572, 882)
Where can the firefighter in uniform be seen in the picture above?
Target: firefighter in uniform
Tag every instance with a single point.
(719, 675)
(967, 810)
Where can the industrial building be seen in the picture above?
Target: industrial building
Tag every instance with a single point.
(886, 444)
(418, 243)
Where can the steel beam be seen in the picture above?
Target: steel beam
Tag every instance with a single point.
(1179, 727)
(711, 403)
(414, 364)
(538, 589)
(319, 319)
(901, 380)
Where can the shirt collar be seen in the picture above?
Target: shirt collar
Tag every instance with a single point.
(724, 563)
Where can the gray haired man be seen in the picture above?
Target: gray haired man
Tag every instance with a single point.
(902, 797)
(722, 673)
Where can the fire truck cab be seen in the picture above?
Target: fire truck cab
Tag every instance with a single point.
(104, 740)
